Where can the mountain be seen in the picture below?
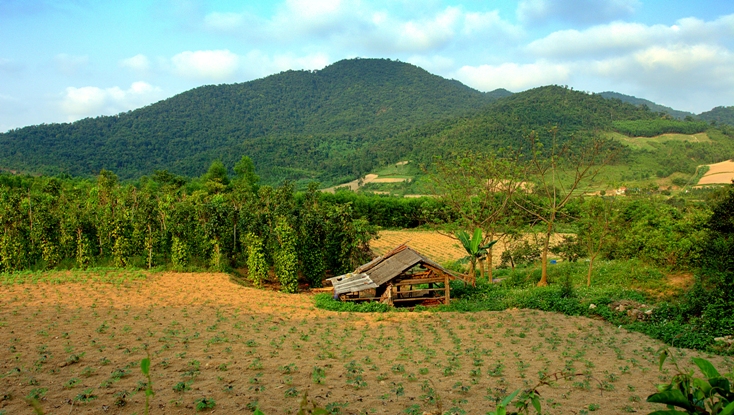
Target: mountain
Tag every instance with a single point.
(722, 115)
(350, 118)
(651, 105)
(297, 125)
(505, 122)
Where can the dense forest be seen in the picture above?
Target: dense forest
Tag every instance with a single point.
(647, 103)
(720, 115)
(295, 125)
(332, 125)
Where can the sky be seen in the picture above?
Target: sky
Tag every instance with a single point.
(61, 61)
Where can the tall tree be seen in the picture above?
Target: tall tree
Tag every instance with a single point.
(478, 188)
(595, 227)
(557, 174)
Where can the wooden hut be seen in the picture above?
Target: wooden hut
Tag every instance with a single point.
(401, 276)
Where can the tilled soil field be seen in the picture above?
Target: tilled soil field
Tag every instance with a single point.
(76, 349)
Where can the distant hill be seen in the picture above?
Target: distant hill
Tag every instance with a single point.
(297, 125)
(348, 119)
(498, 93)
(505, 123)
(651, 105)
(722, 115)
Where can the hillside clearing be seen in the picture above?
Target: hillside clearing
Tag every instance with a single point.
(210, 338)
(719, 173)
(645, 143)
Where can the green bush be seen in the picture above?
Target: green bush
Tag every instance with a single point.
(326, 302)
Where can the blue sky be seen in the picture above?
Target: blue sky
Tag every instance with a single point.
(65, 60)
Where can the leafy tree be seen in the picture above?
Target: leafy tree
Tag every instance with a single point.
(257, 266)
(286, 258)
(312, 237)
(595, 227)
(477, 188)
(549, 193)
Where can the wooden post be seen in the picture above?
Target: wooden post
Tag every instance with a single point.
(446, 288)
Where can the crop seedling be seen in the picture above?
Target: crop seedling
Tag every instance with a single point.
(71, 383)
(85, 397)
(202, 404)
(181, 387)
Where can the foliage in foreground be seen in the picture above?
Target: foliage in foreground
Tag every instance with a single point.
(711, 394)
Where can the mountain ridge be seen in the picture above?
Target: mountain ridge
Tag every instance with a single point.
(331, 125)
(312, 114)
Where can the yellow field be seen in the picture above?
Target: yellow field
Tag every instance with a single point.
(719, 173)
(436, 246)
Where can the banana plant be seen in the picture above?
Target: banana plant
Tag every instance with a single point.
(474, 249)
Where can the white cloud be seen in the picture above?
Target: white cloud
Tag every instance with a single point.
(257, 64)
(70, 65)
(77, 103)
(358, 27)
(223, 65)
(209, 65)
(513, 76)
(620, 37)
(433, 63)
(139, 63)
(679, 69)
(575, 11)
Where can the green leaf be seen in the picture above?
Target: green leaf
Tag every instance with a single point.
(668, 412)
(720, 384)
(145, 366)
(703, 386)
(536, 403)
(671, 397)
(509, 398)
(489, 245)
(728, 409)
(320, 411)
(706, 368)
(476, 240)
(258, 412)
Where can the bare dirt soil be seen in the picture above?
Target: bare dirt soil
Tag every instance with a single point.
(719, 173)
(77, 348)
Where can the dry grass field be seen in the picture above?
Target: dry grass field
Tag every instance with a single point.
(436, 246)
(76, 347)
(719, 173)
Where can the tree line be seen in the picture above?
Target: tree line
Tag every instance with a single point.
(214, 223)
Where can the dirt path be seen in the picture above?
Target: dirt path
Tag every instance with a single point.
(77, 347)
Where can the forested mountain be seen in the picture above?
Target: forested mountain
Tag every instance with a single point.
(339, 123)
(294, 125)
(722, 115)
(506, 122)
(641, 101)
